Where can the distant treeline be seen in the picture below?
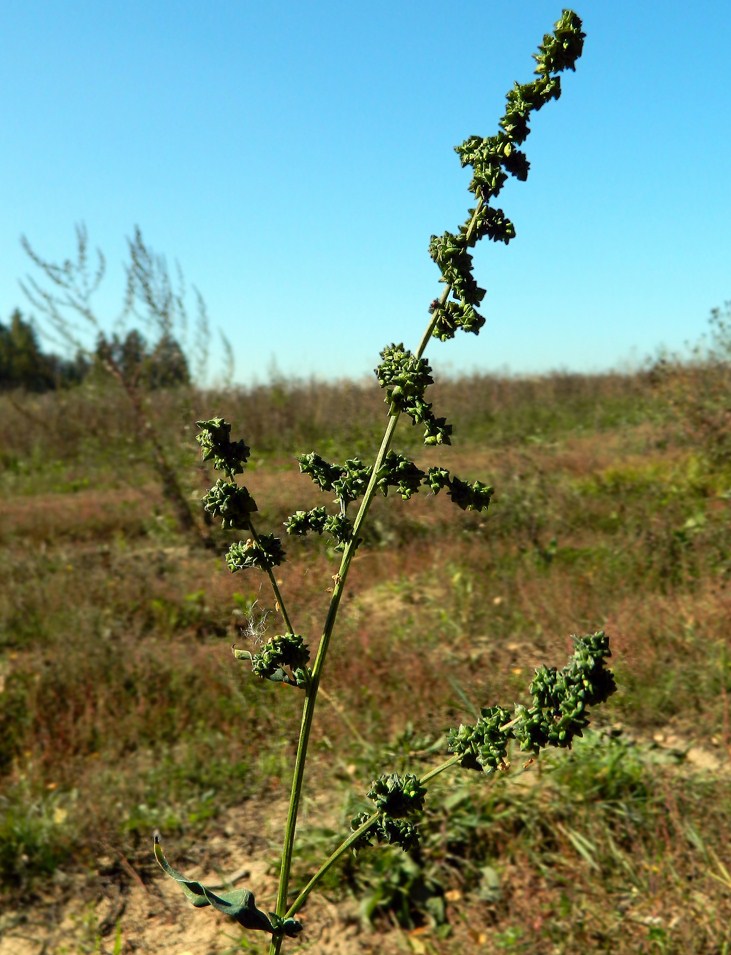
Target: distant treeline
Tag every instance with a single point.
(24, 365)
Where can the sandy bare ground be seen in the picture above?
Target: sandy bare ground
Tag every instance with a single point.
(115, 913)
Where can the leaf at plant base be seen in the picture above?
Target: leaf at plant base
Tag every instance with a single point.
(238, 904)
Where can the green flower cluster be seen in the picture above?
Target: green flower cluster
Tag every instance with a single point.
(234, 505)
(561, 49)
(493, 159)
(216, 445)
(232, 502)
(406, 378)
(350, 480)
(561, 697)
(399, 472)
(323, 474)
(265, 552)
(385, 830)
(468, 497)
(318, 520)
(396, 797)
(282, 659)
(557, 716)
(483, 745)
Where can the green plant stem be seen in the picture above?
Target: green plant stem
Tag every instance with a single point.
(447, 764)
(275, 586)
(280, 600)
(311, 692)
(511, 723)
(308, 713)
(353, 838)
(329, 863)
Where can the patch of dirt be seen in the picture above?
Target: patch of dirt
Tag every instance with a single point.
(698, 758)
(116, 913)
(157, 920)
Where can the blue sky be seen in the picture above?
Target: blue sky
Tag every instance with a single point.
(295, 157)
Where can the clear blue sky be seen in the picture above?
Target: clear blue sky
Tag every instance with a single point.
(295, 157)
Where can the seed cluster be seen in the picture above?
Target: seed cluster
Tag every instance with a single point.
(396, 798)
(493, 159)
(350, 480)
(232, 502)
(217, 447)
(405, 379)
(283, 659)
(558, 715)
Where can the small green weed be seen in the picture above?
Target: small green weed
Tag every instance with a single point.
(34, 837)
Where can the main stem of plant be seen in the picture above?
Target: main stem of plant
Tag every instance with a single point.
(308, 711)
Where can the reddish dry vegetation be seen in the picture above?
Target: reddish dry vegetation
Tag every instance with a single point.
(123, 709)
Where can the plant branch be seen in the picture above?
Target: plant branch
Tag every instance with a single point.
(426, 337)
(275, 586)
(353, 838)
(329, 863)
(311, 698)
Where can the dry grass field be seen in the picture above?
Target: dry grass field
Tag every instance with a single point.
(123, 710)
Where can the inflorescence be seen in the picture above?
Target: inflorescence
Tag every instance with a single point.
(493, 159)
(282, 659)
(396, 798)
(234, 505)
(558, 715)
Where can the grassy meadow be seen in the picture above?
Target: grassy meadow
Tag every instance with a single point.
(123, 710)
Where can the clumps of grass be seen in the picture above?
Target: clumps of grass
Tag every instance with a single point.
(36, 835)
(697, 387)
(599, 848)
(96, 690)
